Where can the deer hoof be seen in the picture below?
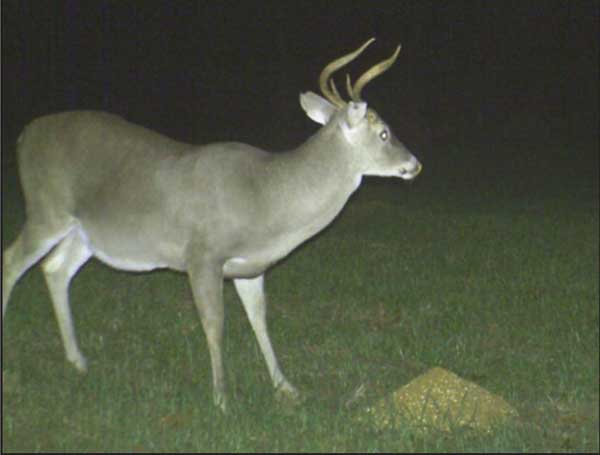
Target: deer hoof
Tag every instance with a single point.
(80, 364)
(288, 395)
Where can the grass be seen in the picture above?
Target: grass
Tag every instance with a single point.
(487, 269)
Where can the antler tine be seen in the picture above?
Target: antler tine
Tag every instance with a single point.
(349, 87)
(334, 89)
(372, 73)
(332, 67)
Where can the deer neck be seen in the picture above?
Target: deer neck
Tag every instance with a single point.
(321, 176)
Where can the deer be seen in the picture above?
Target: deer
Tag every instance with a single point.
(96, 185)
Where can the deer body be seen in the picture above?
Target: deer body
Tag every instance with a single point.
(145, 217)
(97, 185)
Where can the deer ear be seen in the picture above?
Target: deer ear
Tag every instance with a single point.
(355, 112)
(317, 108)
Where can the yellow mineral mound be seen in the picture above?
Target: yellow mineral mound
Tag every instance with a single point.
(440, 400)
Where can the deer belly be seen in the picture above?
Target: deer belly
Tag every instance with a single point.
(133, 253)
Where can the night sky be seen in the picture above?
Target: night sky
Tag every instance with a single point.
(490, 75)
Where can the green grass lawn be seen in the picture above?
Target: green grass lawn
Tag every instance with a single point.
(489, 270)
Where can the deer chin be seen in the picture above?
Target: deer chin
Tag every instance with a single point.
(402, 173)
(408, 175)
(357, 181)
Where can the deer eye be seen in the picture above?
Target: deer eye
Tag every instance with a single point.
(384, 135)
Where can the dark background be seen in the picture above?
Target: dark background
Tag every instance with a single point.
(497, 79)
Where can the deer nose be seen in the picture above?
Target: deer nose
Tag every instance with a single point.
(411, 170)
(418, 168)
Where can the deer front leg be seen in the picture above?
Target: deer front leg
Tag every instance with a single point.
(207, 287)
(252, 294)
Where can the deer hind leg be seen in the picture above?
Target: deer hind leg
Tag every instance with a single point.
(252, 294)
(32, 244)
(59, 267)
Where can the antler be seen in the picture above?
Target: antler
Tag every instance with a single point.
(369, 75)
(328, 87)
(324, 79)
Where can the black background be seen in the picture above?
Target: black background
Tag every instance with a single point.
(518, 74)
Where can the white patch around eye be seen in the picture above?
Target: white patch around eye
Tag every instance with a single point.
(384, 135)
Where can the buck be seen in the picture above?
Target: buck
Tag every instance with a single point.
(97, 185)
